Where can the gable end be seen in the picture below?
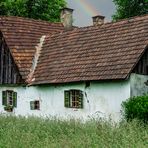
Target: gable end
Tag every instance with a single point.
(9, 73)
(142, 65)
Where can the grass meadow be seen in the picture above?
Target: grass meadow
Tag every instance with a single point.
(20, 132)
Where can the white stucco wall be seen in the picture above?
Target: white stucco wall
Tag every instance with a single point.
(139, 84)
(103, 99)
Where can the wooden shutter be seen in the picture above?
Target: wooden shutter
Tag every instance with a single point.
(4, 98)
(80, 99)
(37, 105)
(32, 105)
(67, 98)
(14, 95)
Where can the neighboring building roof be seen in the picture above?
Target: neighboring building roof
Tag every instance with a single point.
(22, 35)
(106, 52)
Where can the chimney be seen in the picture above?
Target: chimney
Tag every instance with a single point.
(66, 18)
(98, 20)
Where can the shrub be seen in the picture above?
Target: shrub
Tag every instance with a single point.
(136, 107)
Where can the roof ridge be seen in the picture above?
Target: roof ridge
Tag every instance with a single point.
(116, 22)
(29, 19)
(130, 18)
(36, 57)
(96, 27)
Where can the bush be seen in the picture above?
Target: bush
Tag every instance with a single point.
(136, 107)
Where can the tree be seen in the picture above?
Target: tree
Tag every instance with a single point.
(38, 9)
(130, 8)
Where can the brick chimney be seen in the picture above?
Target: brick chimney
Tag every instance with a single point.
(67, 18)
(98, 20)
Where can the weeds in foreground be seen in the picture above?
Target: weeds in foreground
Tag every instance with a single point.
(20, 132)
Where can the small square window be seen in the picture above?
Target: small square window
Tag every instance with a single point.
(73, 99)
(35, 105)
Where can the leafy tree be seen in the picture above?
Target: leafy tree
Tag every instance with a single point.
(38, 9)
(130, 8)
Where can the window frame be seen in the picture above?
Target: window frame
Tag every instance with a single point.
(73, 98)
(6, 98)
(34, 105)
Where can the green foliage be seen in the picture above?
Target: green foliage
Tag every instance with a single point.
(38, 9)
(136, 107)
(130, 8)
(8, 108)
(19, 132)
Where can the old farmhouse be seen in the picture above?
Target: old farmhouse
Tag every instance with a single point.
(55, 69)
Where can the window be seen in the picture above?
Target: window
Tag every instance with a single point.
(73, 98)
(35, 105)
(9, 98)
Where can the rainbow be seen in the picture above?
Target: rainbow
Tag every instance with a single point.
(87, 7)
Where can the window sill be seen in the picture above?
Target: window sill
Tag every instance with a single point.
(9, 111)
(74, 108)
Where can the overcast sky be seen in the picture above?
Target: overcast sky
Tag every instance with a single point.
(85, 9)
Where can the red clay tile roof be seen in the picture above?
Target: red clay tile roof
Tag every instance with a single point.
(22, 35)
(105, 52)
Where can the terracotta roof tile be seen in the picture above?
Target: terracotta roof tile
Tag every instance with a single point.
(22, 35)
(105, 52)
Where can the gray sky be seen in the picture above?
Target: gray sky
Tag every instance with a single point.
(85, 9)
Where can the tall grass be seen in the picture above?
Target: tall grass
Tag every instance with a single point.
(20, 132)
